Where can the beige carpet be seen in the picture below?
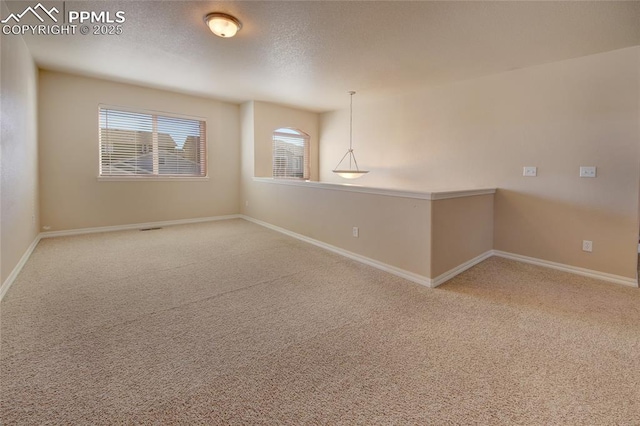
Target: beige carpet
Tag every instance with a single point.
(231, 323)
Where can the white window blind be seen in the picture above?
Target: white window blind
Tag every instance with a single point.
(290, 154)
(150, 144)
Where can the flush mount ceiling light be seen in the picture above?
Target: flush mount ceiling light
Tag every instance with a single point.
(223, 25)
(350, 173)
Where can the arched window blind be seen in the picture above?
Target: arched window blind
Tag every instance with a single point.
(150, 144)
(290, 154)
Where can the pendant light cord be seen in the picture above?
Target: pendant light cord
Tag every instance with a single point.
(349, 153)
(351, 157)
(351, 121)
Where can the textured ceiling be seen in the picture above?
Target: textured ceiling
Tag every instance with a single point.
(309, 54)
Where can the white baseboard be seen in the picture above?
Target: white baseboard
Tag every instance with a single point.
(441, 279)
(81, 231)
(411, 276)
(12, 276)
(402, 273)
(618, 279)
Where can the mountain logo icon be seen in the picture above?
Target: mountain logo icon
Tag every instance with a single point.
(34, 11)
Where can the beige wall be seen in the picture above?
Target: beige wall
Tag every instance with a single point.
(328, 215)
(461, 229)
(19, 219)
(480, 133)
(72, 197)
(247, 145)
(424, 237)
(392, 230)
(268, 117)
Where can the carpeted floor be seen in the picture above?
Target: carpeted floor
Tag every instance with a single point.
(231, 323)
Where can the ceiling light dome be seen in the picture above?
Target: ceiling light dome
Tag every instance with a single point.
(223, 25)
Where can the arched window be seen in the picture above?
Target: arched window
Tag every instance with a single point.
(290, 154)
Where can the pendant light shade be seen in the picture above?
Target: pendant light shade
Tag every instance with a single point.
(351, 172)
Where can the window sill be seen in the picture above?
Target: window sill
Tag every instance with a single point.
(151, 179)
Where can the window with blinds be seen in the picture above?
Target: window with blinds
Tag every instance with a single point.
(135, 144)
(290, 154)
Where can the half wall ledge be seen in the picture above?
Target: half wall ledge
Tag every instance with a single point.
(433, 235)
(430, 195)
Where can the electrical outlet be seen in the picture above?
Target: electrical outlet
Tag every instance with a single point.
(246, 203)
(588, 171)
(587, 246)
(530, 171)
(355, 231)
(46, 228)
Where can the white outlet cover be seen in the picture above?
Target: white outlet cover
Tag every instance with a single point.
(587, 246)
(588, 171)
(530, 171)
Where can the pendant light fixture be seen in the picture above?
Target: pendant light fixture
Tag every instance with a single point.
(350, 173)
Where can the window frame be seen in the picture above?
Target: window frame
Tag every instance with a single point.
(306, 158)
(151, 177)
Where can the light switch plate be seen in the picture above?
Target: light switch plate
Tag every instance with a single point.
(530, 171)
(588, 171)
